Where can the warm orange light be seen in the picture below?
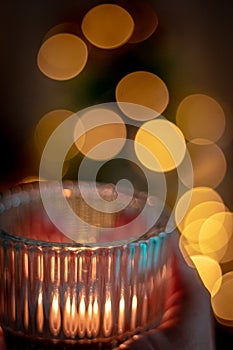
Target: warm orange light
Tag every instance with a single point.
(222, 299)
(107, 323)
(103, 134)
(70, 317)
(145, 19)
(121, 316)
(44, 129)
(40, 312)
(26, 309)
(143, 89)
(198, 111)
(134, 312)
(55, 314)
(107, 26)
(62, 56)
(209, 164)
(159, 145)
(82, 316)
(192, 198)
(208, 269)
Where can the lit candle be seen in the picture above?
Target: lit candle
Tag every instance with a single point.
(134, 312)
(40, 312)
(121, 318)
(82, 316)
(55, 314)
(70, 318)
(107, 324)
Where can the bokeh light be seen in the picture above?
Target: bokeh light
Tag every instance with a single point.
(62, 56)
(192, 198)
(209, 164)
(222, 299)
(44, 129)
(201, 117)
(208, 269)
(145, 89)
(100, 125)
(107, 26)
(160, 145)
(204, 210)
(145, 19)
(215, 235)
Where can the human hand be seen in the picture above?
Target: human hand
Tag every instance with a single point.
(187, 323)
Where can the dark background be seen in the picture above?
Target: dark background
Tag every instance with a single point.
(191, 50)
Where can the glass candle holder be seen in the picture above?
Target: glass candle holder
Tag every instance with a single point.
(57, 292)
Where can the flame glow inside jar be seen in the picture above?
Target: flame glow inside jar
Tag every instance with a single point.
(60, 290)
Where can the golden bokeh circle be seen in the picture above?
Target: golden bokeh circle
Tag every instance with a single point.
(107, 26)
(103, 135)
(209, 164)
(44, 129)
(159, 145)
(142, 88)
(62, 56)
(201, 117)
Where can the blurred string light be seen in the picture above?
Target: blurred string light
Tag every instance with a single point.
(145, 19)
(206, 230)
(161, 140)
(100, 125)
(200, 117)
(209, 164)
(208, 269)
(107, 26)
(44, 129)
(145, 89)
(62, 56)
(222, 299)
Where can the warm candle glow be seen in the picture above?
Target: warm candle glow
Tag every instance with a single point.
(82, 316)
(66, 266)
(26, 309)
(26, 265)
(40, 267)
(52, 269)
(70, 320)
(107, 317)
(80, 268)
(121, 318)
(93, 268)
(89, 318)
(40, 312)
(95, 318)
(76, 269)
(55, 314)
(134, 312)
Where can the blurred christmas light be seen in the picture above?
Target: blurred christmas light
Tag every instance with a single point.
(107, 26)
(62, 56)
(145, 89)
(163, 145)
(200, 117)
(46, 126)
(208, 269)
(192, 198)
(100, 125)
(209, 164)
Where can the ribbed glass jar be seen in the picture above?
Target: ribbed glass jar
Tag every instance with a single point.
(61, 291)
